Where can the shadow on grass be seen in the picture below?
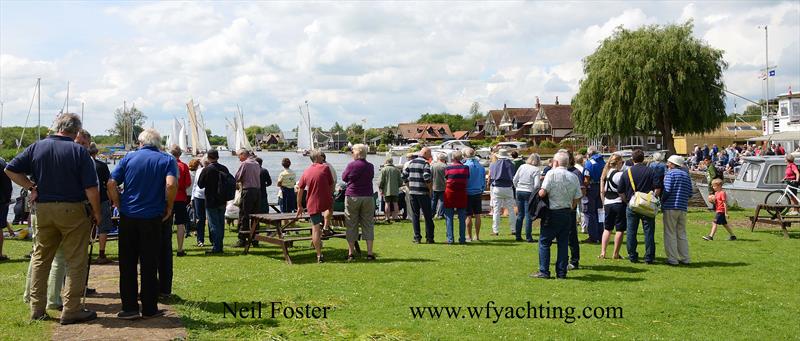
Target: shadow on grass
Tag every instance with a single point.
(218, 309)
(615, 268)
(715, 264)
(604, 278)
(779, 233)
(15, 260)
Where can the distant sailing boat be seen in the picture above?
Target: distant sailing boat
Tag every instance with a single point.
(305, 137)
(200, 144)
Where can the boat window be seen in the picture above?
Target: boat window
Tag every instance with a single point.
(751, 173)
(775, 174)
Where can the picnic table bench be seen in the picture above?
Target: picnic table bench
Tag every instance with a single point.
(279, 226)
(774, 215)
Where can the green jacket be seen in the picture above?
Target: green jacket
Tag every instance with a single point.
(391, 180)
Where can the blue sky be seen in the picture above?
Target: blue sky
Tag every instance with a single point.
(386, 62)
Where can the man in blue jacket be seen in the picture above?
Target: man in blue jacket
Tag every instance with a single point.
(475, 187)
(592, 170)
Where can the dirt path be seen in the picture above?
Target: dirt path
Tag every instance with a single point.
(105, 278)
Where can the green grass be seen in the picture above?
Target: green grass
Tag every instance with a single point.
(733, 290)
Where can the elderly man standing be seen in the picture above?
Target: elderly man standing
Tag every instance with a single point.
(249, 176)
(149, 181)
(455, 197)
(438, 182)
(563, 190)
(63, 177)
(318, 181)
(209, 180)
(674, 204)
(389, 186)
(475, 187)
(359, 206)
(592, 171)
(418, 176)
(501, 174)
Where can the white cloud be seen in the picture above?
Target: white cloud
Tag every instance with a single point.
(386, 62)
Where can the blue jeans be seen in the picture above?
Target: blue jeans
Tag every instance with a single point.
(216, 226)
(437, 203)
(523, 214)
(649, 227)
(592, 203)
(556, 227)
(462, 223)
(200, 217)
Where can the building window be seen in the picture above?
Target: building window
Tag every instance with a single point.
(784, 109)
(651, 140)
(795, 114)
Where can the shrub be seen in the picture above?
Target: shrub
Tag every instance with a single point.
(582, 150)
(382, 148)
(547, 144)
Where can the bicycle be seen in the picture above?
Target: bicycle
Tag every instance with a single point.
(782, 197)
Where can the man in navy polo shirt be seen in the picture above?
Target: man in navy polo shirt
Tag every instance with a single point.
(149, 181)
(592, 170)
(62, 179)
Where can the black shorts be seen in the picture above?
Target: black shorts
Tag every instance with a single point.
(720, 219)
(317, 219)
(615, 217)
(474, 204)
(390, 199)
(180, 213)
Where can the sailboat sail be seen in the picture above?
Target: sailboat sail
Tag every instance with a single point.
(305, 139)
(241, 137)
(182, 138)
(173, 137)
(230, 134)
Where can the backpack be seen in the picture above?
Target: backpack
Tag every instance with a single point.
(226, 188)
(611, 187)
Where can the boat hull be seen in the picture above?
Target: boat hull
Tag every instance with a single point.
(742, 197)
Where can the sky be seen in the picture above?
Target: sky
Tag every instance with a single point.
(382, 62)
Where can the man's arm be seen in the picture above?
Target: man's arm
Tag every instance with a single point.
(172, 190)
(269, 179)
(24, 182)
(300, 191)
(93, 194)
(113, 192)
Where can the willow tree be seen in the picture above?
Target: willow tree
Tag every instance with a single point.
(656, 78)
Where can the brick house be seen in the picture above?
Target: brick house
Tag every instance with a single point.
(416, 132)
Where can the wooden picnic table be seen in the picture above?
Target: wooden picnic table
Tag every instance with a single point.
(280, 224)
(774, 215)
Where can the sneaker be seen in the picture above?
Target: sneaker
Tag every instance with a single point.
(519, 239)
(571, 266)
(212, 252)
(469, 240)
(200, 244)
(539, 275)
(416, 241)
(181, 253)
(158, 313)
(561, 277)
(40, 316)
(732, 238)
(708, 238)
(82, 316)
(102, 260)
(532, 240)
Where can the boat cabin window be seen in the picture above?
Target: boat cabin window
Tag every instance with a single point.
(751, 173)
(775, 174)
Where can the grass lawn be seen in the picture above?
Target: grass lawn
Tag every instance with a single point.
(732, 290)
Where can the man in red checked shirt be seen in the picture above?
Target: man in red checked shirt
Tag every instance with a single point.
(318, 181)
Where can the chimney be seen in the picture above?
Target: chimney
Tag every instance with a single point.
(504, 107)
(537, 103)
(556, 100)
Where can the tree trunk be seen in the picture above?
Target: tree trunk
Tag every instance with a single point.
(666, 133)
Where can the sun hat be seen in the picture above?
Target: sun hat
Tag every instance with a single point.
(676, 160)
(503, 154)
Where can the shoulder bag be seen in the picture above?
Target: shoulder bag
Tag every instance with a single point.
(646, 204)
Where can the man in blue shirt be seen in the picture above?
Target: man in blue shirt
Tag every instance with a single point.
(149, 180)
(475, 187)
(62, 179)
(674, 204)
(592, 170)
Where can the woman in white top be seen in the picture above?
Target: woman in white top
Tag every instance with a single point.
(526, 181)
(612, 204)
(198, 200)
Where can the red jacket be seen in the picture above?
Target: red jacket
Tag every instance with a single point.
(184, 181)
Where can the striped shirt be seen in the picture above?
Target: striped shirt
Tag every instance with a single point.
(455, 194)
(418, 175)
(677, 190)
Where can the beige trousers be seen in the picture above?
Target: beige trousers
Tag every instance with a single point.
(675, 243)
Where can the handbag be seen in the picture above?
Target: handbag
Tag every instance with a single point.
(646, 204)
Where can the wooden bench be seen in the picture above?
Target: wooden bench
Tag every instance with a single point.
(773, 215)
(281, 225)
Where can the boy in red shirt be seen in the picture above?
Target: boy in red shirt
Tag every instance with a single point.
(318, 180)
(719, 198)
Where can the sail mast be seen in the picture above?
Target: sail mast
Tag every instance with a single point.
(39, 100)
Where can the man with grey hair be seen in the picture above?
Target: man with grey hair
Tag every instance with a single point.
(149, 179)
(563, 190)
(249, 178)
(62, 179)
(475, 187)
(317, 180)
(438, 184)
(592, 203)
(418, 177)
(389, 187)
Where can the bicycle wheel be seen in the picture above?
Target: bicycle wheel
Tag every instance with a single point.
(777, 198)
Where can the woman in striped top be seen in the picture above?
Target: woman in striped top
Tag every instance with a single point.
(455, 196)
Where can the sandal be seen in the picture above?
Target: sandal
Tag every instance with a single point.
(351, 258)
(601, 257)
(616, 257)
(370, 257)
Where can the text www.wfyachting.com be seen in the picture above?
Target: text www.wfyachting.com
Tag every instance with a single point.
(494, 312)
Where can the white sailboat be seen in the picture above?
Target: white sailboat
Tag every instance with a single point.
(305, 137)
(174, 136)
(200, 143)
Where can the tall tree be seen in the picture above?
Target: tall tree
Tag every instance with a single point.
(271, 129)
(337, 128)
(454, 121)
(127, 124)
(355, 133)
(651, 79)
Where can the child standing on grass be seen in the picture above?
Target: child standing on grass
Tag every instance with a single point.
(719, 198)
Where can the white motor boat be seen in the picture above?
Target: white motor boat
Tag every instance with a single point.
(402, 150)
(758, 177)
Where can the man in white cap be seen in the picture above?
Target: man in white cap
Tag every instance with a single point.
(675, 201)
(501, 174)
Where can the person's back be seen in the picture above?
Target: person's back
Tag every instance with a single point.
(142, 174)
(57, 154)
(209, 181)
(677, 190)
(437, 176)
(502, 173)
(391, 179)
(477, 177)
(643, 180)
(358, 176)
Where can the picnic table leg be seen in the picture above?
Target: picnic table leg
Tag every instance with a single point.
(286, 253)
(252, 235)
(755, 218)
(785, 226)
